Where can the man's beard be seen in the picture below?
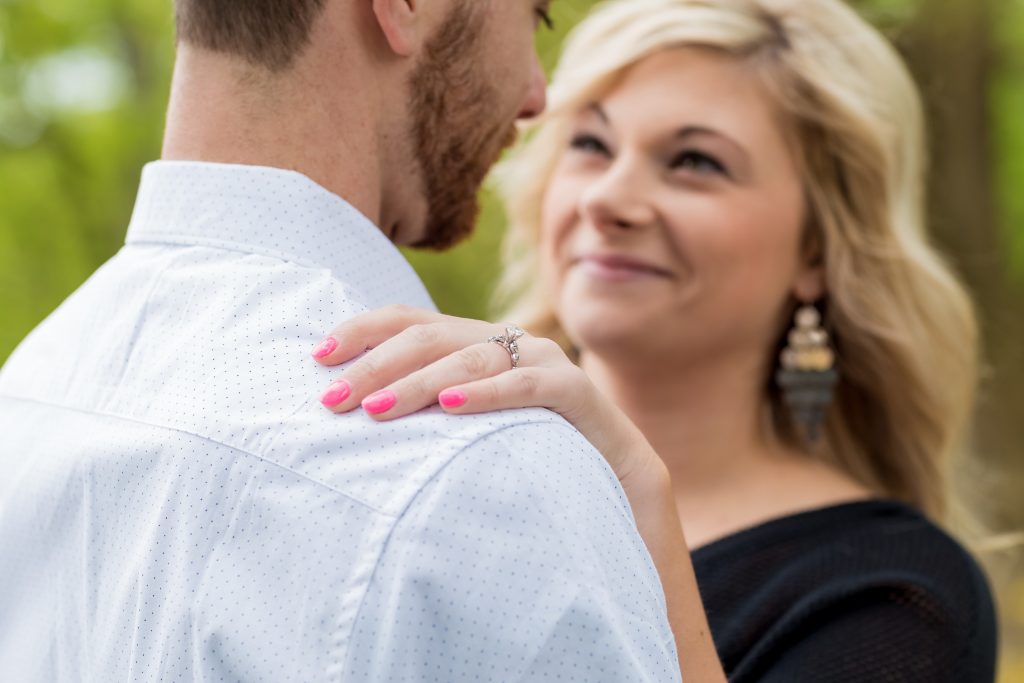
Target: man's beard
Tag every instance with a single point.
(457, 138)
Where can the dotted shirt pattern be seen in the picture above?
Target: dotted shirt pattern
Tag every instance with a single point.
(176, 505)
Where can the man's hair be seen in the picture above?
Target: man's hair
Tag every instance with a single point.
(267, 33)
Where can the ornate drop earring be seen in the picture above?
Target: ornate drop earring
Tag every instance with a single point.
(807, 374)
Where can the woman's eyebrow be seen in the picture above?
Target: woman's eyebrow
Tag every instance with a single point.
(599, 110)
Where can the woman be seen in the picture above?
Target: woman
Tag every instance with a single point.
(711, 179)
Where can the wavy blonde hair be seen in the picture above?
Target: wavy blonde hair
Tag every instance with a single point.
(904, 328)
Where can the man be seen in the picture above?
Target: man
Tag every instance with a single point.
(175, 503)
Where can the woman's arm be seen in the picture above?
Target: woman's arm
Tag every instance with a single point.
(419, 355)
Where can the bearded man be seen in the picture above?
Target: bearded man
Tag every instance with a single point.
(175, 503)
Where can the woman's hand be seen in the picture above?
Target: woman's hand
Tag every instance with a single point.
(419, 358)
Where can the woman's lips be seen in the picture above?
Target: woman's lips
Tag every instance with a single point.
(615, 268)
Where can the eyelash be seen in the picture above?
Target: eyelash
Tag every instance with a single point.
(592, 145)
(701, 158)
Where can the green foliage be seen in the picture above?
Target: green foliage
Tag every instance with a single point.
(84, 87)
(888, 14)
(1007, 105)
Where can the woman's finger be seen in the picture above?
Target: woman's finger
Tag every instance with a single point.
(369, 330)
(562, 389)
(399, 356)
(543, 387)
(420, 389)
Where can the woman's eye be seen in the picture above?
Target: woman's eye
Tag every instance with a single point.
(699, 163)
(589, 144)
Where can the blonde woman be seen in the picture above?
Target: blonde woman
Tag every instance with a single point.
(720, 220)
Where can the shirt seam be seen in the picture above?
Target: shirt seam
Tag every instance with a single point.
(412, 499)
(185, 241)
(154, 283)
(630, 519)
(393, 515)
(262, 458)
(469, 444)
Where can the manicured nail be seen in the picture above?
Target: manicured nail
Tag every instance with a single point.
(325, 348)
(381, 402)
(336, 393)
(452, 398)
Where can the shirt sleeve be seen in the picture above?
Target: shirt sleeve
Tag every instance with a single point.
(519, 561)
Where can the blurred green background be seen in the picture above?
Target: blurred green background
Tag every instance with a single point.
(83, 86)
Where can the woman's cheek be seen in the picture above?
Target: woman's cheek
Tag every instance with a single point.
(558, 221)
(745, 269)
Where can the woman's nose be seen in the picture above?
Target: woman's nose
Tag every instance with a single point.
(620, 198)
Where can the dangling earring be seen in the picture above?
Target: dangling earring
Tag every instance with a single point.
(808, 373)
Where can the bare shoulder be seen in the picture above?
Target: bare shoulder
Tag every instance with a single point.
(774, 488)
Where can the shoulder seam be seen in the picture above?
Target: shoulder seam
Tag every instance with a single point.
(469, 444)
(206, 439)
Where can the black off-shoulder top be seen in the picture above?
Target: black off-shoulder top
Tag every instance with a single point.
(864, 591)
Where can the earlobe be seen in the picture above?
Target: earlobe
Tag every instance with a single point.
(810, 285)
(399, 22)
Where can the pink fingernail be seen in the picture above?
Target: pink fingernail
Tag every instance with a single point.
(452, 398)
(336, 393)
(325, 348)
(381, 402)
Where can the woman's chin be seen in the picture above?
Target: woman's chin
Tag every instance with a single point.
(607, 334)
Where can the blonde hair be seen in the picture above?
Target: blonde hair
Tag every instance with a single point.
(904, 328)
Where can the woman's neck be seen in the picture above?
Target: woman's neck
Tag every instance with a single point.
(706, 421)
(709, 425)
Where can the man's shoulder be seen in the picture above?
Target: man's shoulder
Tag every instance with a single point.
(524, 538)
(178, 344)
(552, 476)
(387, 465)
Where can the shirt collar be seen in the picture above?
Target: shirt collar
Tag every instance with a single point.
(271, 211)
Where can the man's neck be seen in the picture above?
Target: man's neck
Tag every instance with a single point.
(221, 111)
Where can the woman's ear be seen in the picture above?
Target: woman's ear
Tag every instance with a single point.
(811, 282)
(401, 23)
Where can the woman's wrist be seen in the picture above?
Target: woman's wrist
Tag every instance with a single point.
(648, 478)
(649, 491)
(648, 487)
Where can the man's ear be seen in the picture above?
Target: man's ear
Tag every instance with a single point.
(401, 23)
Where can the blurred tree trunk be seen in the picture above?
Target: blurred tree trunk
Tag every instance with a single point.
(950, 48)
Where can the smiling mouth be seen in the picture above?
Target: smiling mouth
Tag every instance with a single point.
(618, 268)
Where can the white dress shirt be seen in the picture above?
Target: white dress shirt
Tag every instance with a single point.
(175, 504)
